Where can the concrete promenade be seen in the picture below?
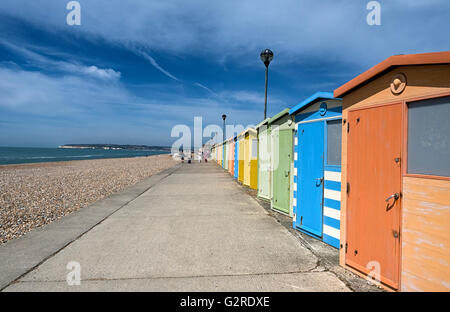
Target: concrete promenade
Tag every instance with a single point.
(190, 228)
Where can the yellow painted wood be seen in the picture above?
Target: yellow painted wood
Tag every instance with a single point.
(247, 159)
(241, 158)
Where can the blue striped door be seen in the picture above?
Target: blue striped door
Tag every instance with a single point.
(309, 212)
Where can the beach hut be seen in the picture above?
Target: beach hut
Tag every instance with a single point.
(317, 167)
(236, 157)
(281, 162)
(246, 159)
(250, 158)
(225, 155)
(231, 156)
(216, 152)
(263, 133)
(219, 154)
(241, 140)
(396, 172)
(213, 153)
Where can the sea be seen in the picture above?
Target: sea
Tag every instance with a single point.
(25, 155)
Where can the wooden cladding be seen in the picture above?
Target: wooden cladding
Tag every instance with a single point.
(426, 235)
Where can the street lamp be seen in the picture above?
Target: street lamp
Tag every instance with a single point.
(224, 117)
(266, 56)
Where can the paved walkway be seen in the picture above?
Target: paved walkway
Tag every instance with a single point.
(194, 229)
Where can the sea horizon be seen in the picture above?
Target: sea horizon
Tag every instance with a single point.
(29, 155)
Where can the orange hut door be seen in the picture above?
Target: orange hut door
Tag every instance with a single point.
(374, 191)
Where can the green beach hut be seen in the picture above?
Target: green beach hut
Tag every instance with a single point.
(282, 161)
(225, 156)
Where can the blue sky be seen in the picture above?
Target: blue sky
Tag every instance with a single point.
(134, 69)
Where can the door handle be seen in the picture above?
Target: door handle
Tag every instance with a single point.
(395, 196)
(320, 181)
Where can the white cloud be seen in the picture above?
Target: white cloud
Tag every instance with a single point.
(46, 63)
(204, 87)
(38, 109)
(93, 71)
(156, 65)
(38, 94)
(248, 97)
(237, 30)
(165, 72)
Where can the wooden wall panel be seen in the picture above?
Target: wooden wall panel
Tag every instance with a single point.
(426, 235)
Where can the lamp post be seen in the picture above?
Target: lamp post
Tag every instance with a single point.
(266, 56)
(224, 117)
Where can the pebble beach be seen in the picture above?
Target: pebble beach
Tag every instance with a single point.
(33, 195)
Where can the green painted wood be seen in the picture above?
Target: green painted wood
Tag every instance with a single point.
(281, 173)
(281, 132)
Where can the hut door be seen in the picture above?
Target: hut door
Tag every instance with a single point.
(264, 164)
(282, 151)
(374, 191)
(236, 159)
(310, 177)
(247, 160)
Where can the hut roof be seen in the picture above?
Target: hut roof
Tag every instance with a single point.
(279, 115)
(312, 99)
(393, 61)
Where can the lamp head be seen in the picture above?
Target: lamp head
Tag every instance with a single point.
(266, 57)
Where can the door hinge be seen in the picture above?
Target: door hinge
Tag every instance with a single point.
(348, 188)
(348, 126)
(346, 247)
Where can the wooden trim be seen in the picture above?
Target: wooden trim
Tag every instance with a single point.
(402, 166)
(396, 60)
(387, 103)
(427, 97)
(426, 176)
(320, 119)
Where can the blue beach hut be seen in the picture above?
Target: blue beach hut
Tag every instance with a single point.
(317, 167)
